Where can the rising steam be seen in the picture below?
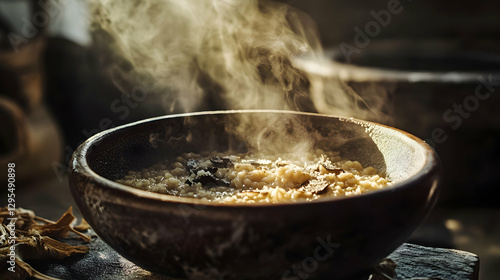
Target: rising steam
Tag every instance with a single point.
(224, 54)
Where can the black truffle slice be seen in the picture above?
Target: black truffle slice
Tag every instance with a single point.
(210, 181)
(314, 186)
(332, 169)
(221, 162)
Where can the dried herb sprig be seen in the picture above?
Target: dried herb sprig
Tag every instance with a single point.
(35, 240)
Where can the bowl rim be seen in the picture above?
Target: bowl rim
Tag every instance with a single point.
(79, 166)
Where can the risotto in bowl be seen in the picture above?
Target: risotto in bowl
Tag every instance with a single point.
(254, 194)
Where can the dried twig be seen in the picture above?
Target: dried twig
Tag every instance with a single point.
(34, 240)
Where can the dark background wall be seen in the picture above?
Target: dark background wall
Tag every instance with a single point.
(474, 23)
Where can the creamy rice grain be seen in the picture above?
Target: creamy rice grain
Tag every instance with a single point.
(256, 178)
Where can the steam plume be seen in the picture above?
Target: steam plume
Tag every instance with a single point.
(224, 54)
(236, 51)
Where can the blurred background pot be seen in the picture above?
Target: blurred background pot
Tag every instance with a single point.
(442, 94)
(29, 136)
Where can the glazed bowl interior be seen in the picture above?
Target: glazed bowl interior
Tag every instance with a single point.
(135, 147)
(187, 239)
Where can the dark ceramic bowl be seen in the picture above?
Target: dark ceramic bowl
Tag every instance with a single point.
(184, 238)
